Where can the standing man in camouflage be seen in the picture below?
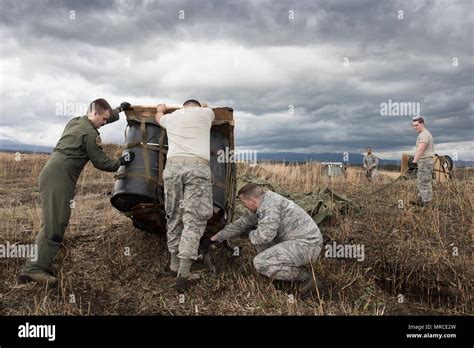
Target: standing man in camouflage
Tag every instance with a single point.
(286, 237)
(371, 163)
(79, 143)
(187, 183)
(424, 160)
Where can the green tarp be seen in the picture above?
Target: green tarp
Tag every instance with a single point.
(319, 204)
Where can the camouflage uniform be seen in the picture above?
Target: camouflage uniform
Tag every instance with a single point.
(188, 205)
(79, 143)
(423, 179)
(286, 237)
(425, 166)
(368, 161)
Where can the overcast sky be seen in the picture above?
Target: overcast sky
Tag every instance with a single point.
(301, 76)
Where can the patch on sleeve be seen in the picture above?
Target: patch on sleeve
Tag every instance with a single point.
(98, 141)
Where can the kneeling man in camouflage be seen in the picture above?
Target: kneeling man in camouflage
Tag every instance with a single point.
(286, 237)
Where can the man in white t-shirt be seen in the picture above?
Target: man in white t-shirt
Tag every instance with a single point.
(187, 183)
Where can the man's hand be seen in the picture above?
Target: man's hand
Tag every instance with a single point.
(161, 108)
(123, 106)
(160, 111)
(127, 158)
(204, 245)
(412, 165)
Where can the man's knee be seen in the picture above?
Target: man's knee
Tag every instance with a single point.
(260, 264)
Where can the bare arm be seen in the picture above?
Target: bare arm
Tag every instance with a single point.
(421, 149)
(242, 225)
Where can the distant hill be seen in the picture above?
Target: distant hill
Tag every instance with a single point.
(354, 158)
(15, 146)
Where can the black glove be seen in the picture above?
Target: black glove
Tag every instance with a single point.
(205, 243)
(127, 158)
(411, 165)
(124, 106)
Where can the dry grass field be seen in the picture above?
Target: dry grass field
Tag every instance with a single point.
(416, 262)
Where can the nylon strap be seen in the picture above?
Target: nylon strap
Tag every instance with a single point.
(161, 159)
(146, 157)
(221, 185)
(135, 175)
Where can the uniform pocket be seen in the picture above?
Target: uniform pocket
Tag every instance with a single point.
(205, 202)
(166, 173)
(202, 172)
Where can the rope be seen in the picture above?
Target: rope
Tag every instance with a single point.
(384, 186)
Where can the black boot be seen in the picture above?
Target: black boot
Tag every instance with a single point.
(308, 285)
(182, 284)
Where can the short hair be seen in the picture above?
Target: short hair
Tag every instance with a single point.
(100, 105)
(419, 120)
(251, 190)
(369, 148)
(191, 102)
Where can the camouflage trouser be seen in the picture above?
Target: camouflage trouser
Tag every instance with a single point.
(282, 261)
(423, 179)
(188, 205)
(372, 174)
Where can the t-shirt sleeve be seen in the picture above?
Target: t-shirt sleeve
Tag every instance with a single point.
(424, 138)
(163, 120)
(210, 114)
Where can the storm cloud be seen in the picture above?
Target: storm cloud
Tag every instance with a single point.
(301, 76)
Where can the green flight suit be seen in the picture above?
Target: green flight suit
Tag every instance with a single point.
(79, 143)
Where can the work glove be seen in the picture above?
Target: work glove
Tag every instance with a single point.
(411, 165)
(127, 158)
(205, 243)
(124, 106)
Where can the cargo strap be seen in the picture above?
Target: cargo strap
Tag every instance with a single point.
(220, 184)
(135, 175)
(231, 175)
(161, 158)
(143, 208)
(146, 159)
(383, 187)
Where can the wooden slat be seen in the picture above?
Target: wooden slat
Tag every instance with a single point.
(222, 113)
